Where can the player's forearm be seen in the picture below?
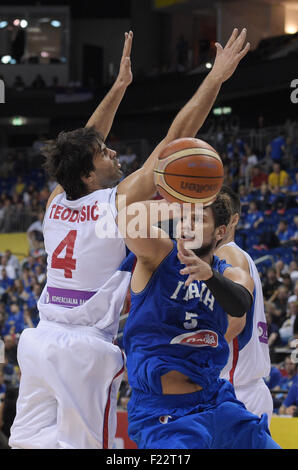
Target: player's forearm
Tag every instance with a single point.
(186, 124)
(193, 115)
(103, 117)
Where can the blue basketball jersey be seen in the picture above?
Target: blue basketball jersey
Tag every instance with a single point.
(174, 327)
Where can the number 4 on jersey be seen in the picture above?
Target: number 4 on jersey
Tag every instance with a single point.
(68, 263)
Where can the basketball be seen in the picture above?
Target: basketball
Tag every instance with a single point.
(189, 170)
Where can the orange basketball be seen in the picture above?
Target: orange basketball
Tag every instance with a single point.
(189, 170)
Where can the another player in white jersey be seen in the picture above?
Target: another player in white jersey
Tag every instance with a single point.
(71, 370)
(249, 359)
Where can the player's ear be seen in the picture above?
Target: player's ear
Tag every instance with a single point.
(87, 180)
(220, 232)
(235, 220)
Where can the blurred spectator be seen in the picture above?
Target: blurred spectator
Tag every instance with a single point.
(290, 404)
(294, 296)
(19, 186)
(254, 217)
(293, 190)
(14, 323)
(19, 84)
(245, 198)
(35, 234)
(9, 269)
(278, 177)
(12, 260)
(276, 149)
(38, 82)
(5, 281)
(283, 232)
(273, 335)
(293, 270)
(38, 144)
(258, 177)
(289, 372)
(128, 157)
(280, 300)
(286, 330)
(3, 438)
(274, 379)
(270, 284)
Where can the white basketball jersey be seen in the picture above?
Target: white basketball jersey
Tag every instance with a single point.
(85, 249)
(249, 352)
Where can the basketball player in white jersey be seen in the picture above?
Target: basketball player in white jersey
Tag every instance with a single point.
(249, 359)
(71, 370)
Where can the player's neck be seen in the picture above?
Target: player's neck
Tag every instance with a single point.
(230, 238)
(208, 258)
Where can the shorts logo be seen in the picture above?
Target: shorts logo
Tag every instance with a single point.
(197, 339)
(164, 419)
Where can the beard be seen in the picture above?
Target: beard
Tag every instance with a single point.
(204, 250)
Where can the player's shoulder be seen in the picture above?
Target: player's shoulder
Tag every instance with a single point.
(57, 191)
(233, 255)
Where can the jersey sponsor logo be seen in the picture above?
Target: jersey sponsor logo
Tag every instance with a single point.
(263, 330)
(197, 339)
(164, 419)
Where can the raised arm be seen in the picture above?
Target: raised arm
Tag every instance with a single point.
(140, 185)
(103, 117)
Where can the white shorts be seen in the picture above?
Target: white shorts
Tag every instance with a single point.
(70, 376)
(256, 397)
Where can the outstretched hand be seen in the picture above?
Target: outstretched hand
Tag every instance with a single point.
(228, 58)
(197, 269)
(125, 73)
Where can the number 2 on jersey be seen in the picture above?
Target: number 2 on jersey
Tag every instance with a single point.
(68, 263)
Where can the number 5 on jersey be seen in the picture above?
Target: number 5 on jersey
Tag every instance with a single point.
(68, 263)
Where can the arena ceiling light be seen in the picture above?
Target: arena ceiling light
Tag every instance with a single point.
(56, 23)
(18, 121)
(6, 59)
(16, 22)
(23, 23)
(208, 65)
(3, 24)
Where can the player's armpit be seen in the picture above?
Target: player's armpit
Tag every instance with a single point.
(57, 190)
(233, 256)
(235, 327)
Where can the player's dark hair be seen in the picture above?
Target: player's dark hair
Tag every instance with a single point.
(234, 199)
(221, 210)
(70, 156)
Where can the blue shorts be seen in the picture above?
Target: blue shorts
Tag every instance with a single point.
(208, 419)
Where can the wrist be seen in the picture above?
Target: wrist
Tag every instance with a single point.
(216, 76)
(210, 275)
(120, 83)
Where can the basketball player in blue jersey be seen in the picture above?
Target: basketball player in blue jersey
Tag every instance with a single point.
(70, 367)
(249, 359)
(174, 340)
